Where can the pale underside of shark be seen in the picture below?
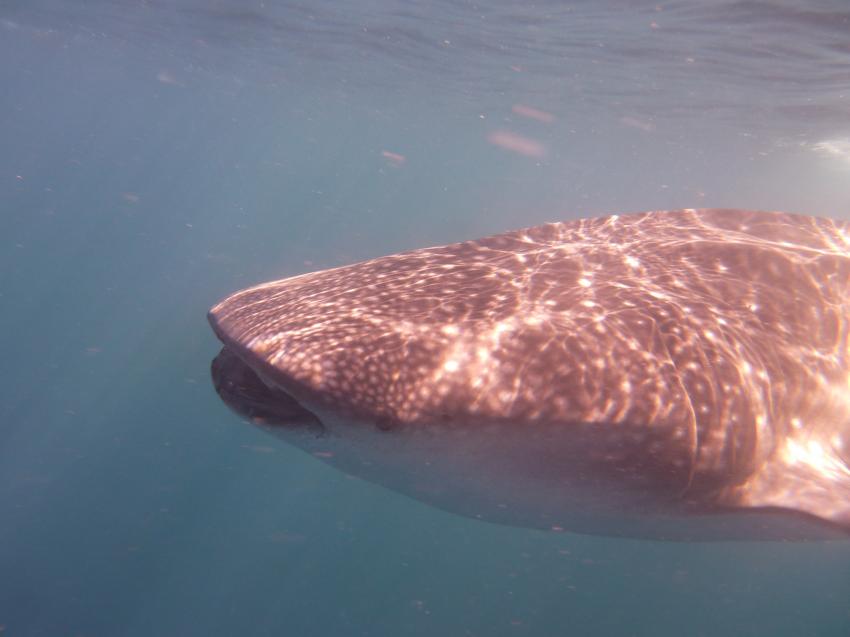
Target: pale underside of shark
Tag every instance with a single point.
(667, 375)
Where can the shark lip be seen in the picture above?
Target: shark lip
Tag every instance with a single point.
(243, 390)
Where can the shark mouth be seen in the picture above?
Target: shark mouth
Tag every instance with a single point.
(243, 391)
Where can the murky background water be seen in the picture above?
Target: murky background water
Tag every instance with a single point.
(156, 156)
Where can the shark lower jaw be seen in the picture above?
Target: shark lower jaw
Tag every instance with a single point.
(501, 474)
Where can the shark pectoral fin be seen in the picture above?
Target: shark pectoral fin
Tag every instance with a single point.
(807, 475)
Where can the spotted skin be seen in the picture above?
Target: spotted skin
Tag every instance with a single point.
(682, 363)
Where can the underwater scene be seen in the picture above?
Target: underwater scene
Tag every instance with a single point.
(393, 318)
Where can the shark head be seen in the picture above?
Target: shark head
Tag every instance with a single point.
(667, 375)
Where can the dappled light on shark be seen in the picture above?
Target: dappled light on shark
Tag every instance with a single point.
(675, 375)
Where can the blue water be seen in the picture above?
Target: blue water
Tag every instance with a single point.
(156, 156)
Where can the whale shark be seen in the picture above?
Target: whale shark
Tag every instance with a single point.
(668, 375)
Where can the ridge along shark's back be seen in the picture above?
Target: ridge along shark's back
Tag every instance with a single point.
(678, 374)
